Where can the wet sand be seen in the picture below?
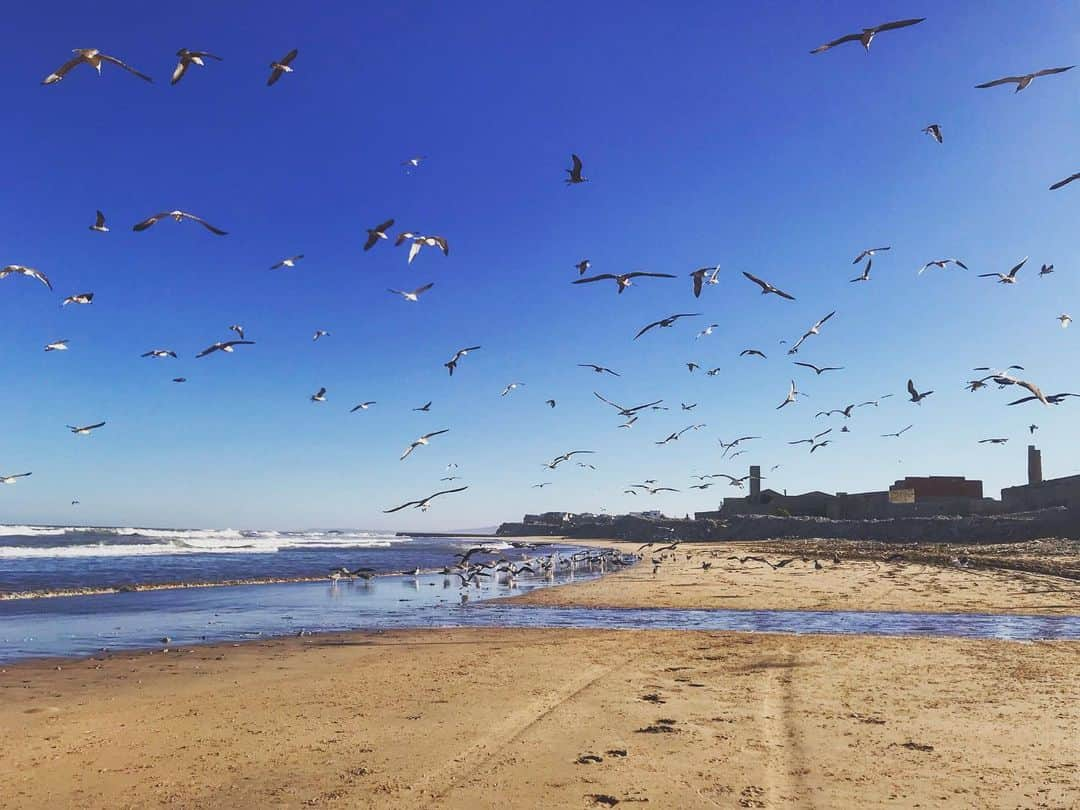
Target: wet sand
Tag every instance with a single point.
(514, 719)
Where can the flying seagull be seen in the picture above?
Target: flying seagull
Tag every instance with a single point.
(57, 346)
(281, 66)
(11, 479)
(238, 329)
(1023, 81)
(752, 353)
(865, 276)
(598, 369)
(622, 280)
(29, 272)
(425, 408)
(289, 262)
(413, 162)
(159, 353)
(898, 433)
(706, 331)
(377, 233)
(699, 278)
(869, 252)
(550, 403)
(813, 438)
(452, 364)
(916, 396)
(419, 241)
(627, 411)
(792, 395)
(99, 224)
(583, 266)
(85, 429)
(94, 58)
(666, 322)
(993, 441)
(813, 330)
(767, 288)
(424, 503)
(179, 216)
(363, 406)
(1006, 278)
(422, 441)
(1046, 270)
(1048, 399)
(866, 36)
(934, 131)
(319, 396)
(820, 370)
(320, 333)
(1065, 182)
(575, 172)
(510, 388)
(227, 346)
(187, 59)
(412, 295)
(78, 298)
(179, 379)
(555, 462)
(940, 264)
(1065, 320)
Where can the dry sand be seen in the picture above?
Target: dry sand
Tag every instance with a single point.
(465, 719)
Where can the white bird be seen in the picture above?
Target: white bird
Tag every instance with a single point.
(99, 224)
(92, 57)
(510, 388)
(11, 479)
(159, 353)
(226, 346)
(706, 331)
(320, 333)
(451, 365)
(319, 396)
(178, 216)
(424, 503)
(57, 346)
(869, 252)
(866, 36)
(934, 131)
(23, 270)
(85, 429)
(940, 264)
(1065, 320)
(187, 59)
(363, 406)
(79, 298)
(792, 394)
(1006, 278)
(421, 442)
(699, 277)
(289, 262)
(419, 241)
(583, 266)
(413, 295)
(813, 330)
(281, 66)
(1023, 81)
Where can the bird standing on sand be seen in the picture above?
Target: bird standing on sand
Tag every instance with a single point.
(866, 36)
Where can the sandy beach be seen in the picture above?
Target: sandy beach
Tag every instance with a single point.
(575, 718)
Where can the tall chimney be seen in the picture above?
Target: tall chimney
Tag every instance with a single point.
(1034, 465)
(755, 482)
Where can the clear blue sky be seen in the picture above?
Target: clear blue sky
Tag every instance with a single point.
(710, 136)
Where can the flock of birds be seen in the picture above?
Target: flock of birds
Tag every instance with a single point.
(701, 279)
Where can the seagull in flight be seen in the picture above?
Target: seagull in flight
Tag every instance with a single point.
(916, 396)
(1023, 81)
(993, 441)
(159, 353)
(1065, 320)
(813, 438)
(752, 352)
(734, 443)
(179, 216)
(706, 331)
(934, 131)
(898, 433)
(555, 462)
(692, 367)
(319, 396)
(819, 445)
(792, 395)
(363, 406)
(179, 379)
(289, 262)
(227, 346)
(238, 329)
(11, 479)
(187, 59)
(29, 272)
(99, 224)
(1046, 270)
(599, 369)
(319, 333)
(666, 322)
(845, 411)
(425, 408)
(813, 330)
(673, 437)
(550, 403)
(377, 233)
(699, 277)
(1065, 182)
(94, 58)
(78, 298)
(413, 163)
(865, 276)
(767, 288)
(583, 266)
(510, 388)
(1048, 399)
(424, 503)
(575, 172)
(622, 280)
(281, 66)
(821, 370)
(940, 264)
(1006, 278)
(85, 429)
(869, 252)
(542, 485)
(866, 36)
(413, 295)
(422, 441)
(628, 412)
(452, 364)
(420, 240)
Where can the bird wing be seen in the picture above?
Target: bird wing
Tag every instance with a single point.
(639, 273)
(100, 219)
(93, 427)
(62, 71)
(444, 246)
(414, 248)
(763, 284)
(1052, 71)
(646, 329)
(1015, 270)
(996, 82)
(808, 365)
(208, 226)
(146, 223)
(423, 289)
(1034, 389)
(403, 506)
(1065, 182)
(820, 323)
(891, 26)
(436, 433)
(576, 162)
(835, 42)
(371, 240)
(288, 58)
(125, 66)
(181, 69)
(590, 279)
(911, 388)
(991, 275)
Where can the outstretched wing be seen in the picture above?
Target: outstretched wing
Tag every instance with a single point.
(646, 329)
(206, 224)
(835, 42)
(146, 223)
(590, 279)
(125, 66)
(1065, 182)
(61, 71)
(891, 26)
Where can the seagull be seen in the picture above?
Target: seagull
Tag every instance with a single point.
(793, 393)
(179, 379)
(159, 353)
(363, 406)
(1048, 399)
(813, 438)
(419, 241)
(423, 440)
(628, 412)
(94, 58)
(869, 252)
(550, 403)
(821, 370)
(825, 443)
(566, 457)
(992, 441)
(281, 66)
(706, 331)
(29, 272)
(585, 466)
(934, 131)
(673, 437)
(583, 266)
(319, 396)
(598, 369)
(78, 298)
(1065, 319)
(11, 479)
(688, 406)
(541, 486)
(1046, 270)
(413, 295)
(510, 388)
(289, 262)
(767, 288)
(57, 346)
(377, 233)
(188, 58)
(1023, 81)
(238, 329)
(865, 273)
(575, 172)
(867, 35)
(179, 216)
(813, 330)
(898, 433)
(845, 411)
(413, 162)
(99, 224)
(623, 280)
(84, 430)
(734, 443)
(452, 364)
(752, 352)
(1065, 182)
(424, 503)
(692, 367)
(1032, 428)
(917, 397)
(227, 346)
(1010, 277)
(320, 333)
(699, 278)
(425, 408)
(666, 322)
(940, 264)
(874, 402)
